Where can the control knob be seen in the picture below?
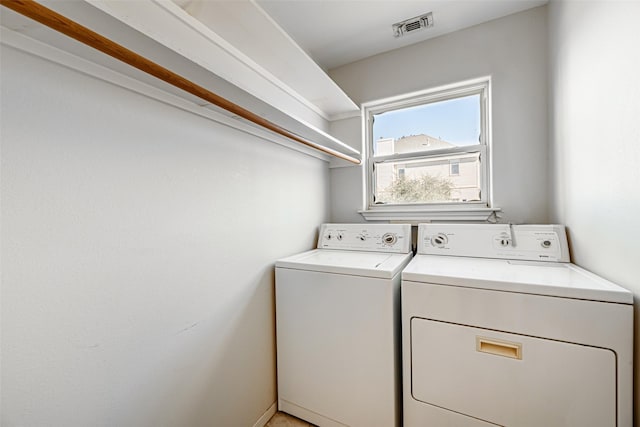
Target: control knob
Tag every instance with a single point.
(505, 240)
(439, 240)
(389, 239)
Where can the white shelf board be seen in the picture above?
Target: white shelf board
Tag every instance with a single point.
(149, 29)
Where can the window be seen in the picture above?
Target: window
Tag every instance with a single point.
(454, 167)
(427, 153)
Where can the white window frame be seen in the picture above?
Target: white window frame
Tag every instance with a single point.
(478, 210)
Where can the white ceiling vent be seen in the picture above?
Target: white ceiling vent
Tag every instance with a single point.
(413, 24)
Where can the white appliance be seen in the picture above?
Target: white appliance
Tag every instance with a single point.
(500, 329)
(338, 326)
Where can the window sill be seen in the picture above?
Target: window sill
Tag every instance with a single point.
(413, 215)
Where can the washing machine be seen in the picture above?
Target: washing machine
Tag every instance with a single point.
(499, 328)
(338, 326)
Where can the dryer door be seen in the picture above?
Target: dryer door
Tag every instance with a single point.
(510, 379)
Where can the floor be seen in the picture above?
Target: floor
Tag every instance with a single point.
(280, 419)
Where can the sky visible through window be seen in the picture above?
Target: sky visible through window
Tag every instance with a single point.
(456, 121)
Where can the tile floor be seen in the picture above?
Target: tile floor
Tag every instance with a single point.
(280, 419)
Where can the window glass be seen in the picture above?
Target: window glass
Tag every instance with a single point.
(454, 167)
(436, 125)
(429, 180)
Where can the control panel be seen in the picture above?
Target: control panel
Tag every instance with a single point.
(505, 241)
(394, 238)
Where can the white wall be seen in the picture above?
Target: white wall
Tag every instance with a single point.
(595, 138)
(138, 243)
(346, 193)
(513, 50)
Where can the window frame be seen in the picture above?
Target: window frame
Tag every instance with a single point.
(476, 210)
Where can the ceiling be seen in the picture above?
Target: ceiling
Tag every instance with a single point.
(293, 43)
(338, 32)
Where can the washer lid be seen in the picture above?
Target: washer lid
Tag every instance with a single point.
(540, 278)
(369, 264)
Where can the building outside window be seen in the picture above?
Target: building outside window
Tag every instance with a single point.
(428, 152)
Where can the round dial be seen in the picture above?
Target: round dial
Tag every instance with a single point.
(439, 240)
(389, 238)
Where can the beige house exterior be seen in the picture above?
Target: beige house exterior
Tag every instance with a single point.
(461, 170)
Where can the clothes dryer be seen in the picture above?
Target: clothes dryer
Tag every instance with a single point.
(499, 328)
(338, 326)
